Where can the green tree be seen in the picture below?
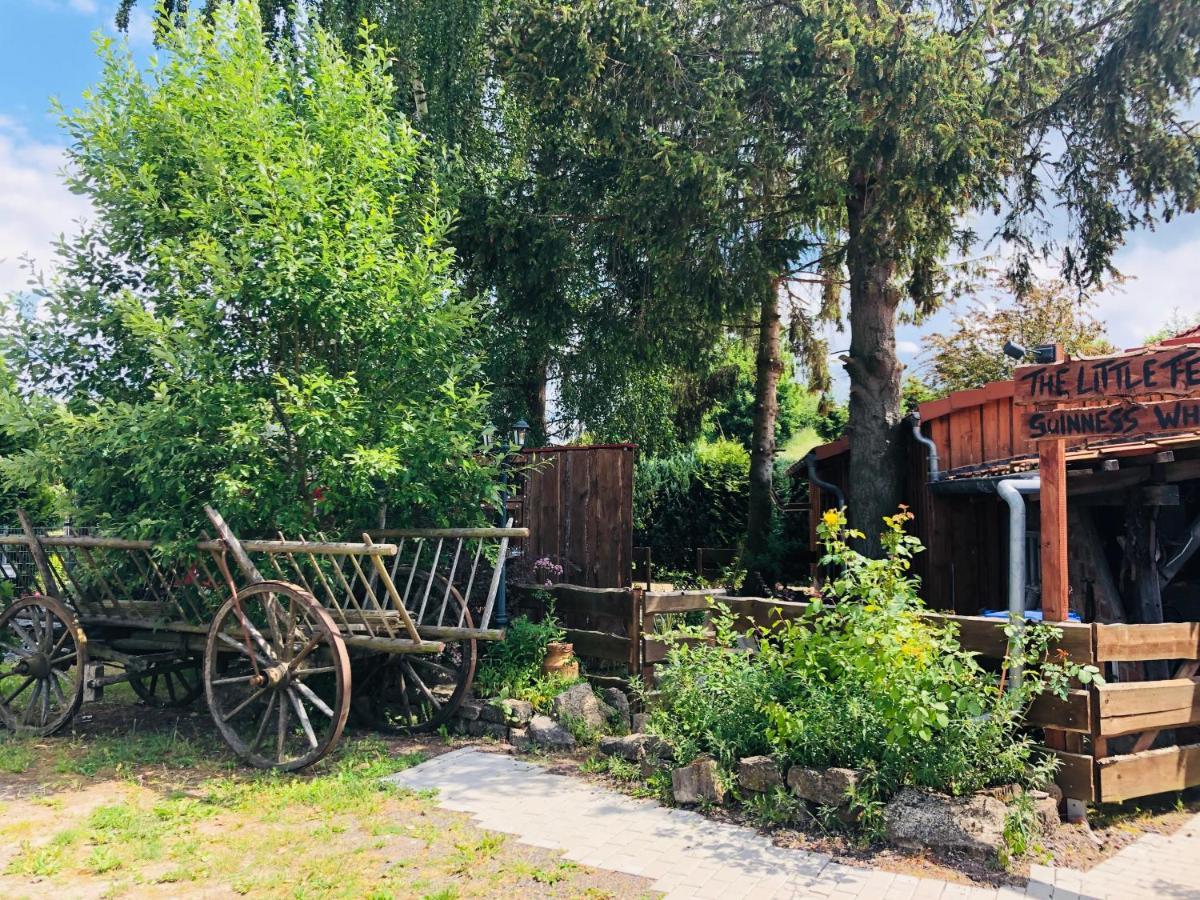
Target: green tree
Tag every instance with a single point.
(890, 123)
(262, 311)
(670, 124)
(1177, 323)
(972, 354)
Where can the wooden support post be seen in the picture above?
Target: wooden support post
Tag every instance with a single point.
(1052, 466)
(49, 583)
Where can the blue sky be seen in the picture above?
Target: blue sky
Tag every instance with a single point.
(46, 49)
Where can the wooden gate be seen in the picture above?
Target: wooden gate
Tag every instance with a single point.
(577, 502)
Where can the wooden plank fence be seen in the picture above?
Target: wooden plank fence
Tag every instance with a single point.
(619, 626)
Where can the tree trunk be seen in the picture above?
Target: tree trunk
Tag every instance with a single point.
(876, 451)
(533, 399)
(769, 366)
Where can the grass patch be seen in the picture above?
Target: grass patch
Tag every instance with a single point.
(16, 756)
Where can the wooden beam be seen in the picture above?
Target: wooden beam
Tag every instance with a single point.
(1052, 466)
(1072, 714)
(1076, 775)
(1136, 706)
(599, 644)
(1149, 772)
(1133, 643)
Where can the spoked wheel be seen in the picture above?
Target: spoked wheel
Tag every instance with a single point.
(43, 652)
(277, 677)
(418, 692)
(169, 685)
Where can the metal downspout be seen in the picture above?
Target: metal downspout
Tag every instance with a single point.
(935, 472)
(1011, 490)
(810, 462)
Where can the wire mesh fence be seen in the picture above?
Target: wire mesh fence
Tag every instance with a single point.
(18, 571)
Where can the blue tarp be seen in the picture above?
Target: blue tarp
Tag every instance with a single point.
(1031, 615)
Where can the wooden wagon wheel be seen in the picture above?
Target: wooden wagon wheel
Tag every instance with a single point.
(417, 692)
(277, 676)
(43, 653)
(169, 685)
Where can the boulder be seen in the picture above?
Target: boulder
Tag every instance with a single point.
(545, 732)
(697, 782)
(924, 820)
(637, 722)
(1046, 807)
(520, 739)
(759, 773)
(631, 747)
(615, 699)
(469, 710)
(480, 728)
(825, 787)
(507, 712)
(580, 704)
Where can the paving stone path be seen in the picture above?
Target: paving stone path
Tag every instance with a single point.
(686, 855)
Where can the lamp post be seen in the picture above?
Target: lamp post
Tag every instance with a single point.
(520, 431)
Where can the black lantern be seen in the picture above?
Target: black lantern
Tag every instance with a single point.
(520, 431)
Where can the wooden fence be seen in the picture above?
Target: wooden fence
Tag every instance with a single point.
(618, 628)
(577, 502)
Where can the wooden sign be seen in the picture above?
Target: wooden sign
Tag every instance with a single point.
(1116, 421)
(1174, 371)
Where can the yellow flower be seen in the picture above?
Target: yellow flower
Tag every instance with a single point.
(832, 518)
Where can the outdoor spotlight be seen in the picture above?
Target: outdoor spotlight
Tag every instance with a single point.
(1045, 354)
(520, 431)
(1016, 351)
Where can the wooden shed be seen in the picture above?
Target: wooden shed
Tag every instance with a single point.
(1125, 495)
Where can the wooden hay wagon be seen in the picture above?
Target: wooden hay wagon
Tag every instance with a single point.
(274, 650)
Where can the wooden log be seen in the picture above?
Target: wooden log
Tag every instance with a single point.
(329, 548)
(679, 601)
(409, 533)
(1147, 705)
(393, 645)
(1140, 583)
(599, 644)
(1149, 772)
(101, 543)
(230, 542)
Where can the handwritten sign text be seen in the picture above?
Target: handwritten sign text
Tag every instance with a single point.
(1118, 421)
(1174, 371)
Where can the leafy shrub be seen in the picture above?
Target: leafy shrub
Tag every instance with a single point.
(261, 312)
(512, 668)
(693, 499)
(711, 699)
(862, 680)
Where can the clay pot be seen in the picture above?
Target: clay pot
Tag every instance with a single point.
(560, 660)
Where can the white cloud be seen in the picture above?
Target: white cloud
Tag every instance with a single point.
(141, 28)
(88, 7)
(35, 206)
(1160, 280)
